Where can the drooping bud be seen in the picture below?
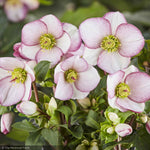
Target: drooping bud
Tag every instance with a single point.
(123, 129)
(52, 106)
(6, 121)
(27, 107)
(143, 118)
(85, 103)
(110, 130)
(148, 126)
(113, 117)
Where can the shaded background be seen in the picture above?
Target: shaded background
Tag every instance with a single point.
(136, 12)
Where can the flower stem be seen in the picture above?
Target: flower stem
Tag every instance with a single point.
(35, 91)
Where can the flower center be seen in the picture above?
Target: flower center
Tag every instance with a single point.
(47, 41)
(122, 90)
(19, 75)
(71, 75)
(110, 43)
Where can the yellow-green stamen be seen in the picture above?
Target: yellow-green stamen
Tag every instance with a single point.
(110, 43)
(71, 76)
(19, 75)
(47, 41)
(122, 90)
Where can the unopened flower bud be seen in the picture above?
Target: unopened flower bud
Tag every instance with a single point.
(110, 130)
(94, 146)
(113, 117)
(85, 103)
(52, 106)
(123, 129)
(81, 147)
(6, 121)
(27, 107)
(93, 102)
(148, 126)
(143, 118)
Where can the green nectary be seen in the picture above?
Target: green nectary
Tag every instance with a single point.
(19, 75)
(47, 41)
(110, 43)
(122, 90)
(71, 76)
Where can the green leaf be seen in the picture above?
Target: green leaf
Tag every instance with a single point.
(51, 136)
(66, 111)
(46, 2)
(125, 115)
(76, 131)
(4, 109)
(76, 17)
(92, 120)
(18, 135)
(147, 106)
(41, 70)
(25, 126)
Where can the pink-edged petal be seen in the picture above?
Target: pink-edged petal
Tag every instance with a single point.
(131, 39)
(112, 81)
(93, 31)
(16, 48)
(115, 19)
(87, 80)
(64, 42)
(10, 63)
(78, 94)
(113, 104)
(31, 64)
(91, 55)
(29, 51)
(75, 62)
(139, 84)
(11, 92)
(32, 32)
(56, 72)
(74, 35)
(112, 62)
(148, 126)
(128, 104)
(28, 86)
(15, 13)
(123, 129)
(53, 56)
(53, 24)
(64, 90)
(31, 4)
(30, 70)
(4, 73)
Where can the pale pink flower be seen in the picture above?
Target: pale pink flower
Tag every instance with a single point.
(27, 107)
(74, 78)
(16, 78)
(148, 126)
(128, 89)
(110, 41)
(16, 10)
(123, 129)
(6, 121)
(47, 39)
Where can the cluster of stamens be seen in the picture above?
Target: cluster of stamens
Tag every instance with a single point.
(71, 76)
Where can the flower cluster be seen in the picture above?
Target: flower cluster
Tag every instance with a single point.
(16, 10)
(108, 42)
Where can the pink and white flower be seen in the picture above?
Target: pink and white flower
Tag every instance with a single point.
(74, 78)
(128, 90)
(27, 107)
(16, 10)
(148, 126)
(123, 129)
(16, 78)
(50, 43)
(6, 121)
(110, 41)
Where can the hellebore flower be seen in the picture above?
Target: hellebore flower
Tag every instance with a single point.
(123, 129)
(128, 89)
(47, 39)
(16, 10)
(6, 121)
(15, 81)
(74, 78)
(110, 41)
(27, 107)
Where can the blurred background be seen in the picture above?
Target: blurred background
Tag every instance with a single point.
(136, 12)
